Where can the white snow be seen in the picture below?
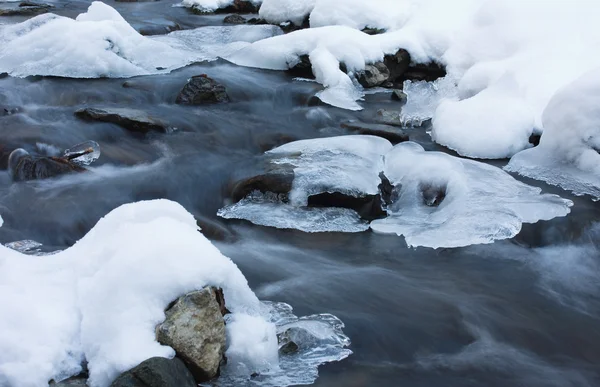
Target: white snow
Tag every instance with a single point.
(102, 298)
(211, 5)
(569, 151)
(281, 11)
(482, 203)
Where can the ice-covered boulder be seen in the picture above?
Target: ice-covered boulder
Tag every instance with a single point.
(443, 201)
(568, 154)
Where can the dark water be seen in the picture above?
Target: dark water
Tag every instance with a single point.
(523, 312)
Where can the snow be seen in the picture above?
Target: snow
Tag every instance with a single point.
(568, 154)
(281, 11)
(102, 298)
(482, 203)
(100, 43)
(211, 5)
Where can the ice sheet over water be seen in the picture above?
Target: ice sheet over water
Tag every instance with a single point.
(319, 339)
(424, 98)
(469, 202)
(269, 210)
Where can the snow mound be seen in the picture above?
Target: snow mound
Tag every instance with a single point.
(443, 201)
(211, 5)
(102, 298)
(281, 11)
(569, 151)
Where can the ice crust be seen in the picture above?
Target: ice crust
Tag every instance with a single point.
(211, 5)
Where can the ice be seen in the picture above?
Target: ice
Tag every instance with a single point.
(319, 339)
(423, 99)
(102, 298)
(84, 153)
(444, 201)
(211, 5)
(29, 247)
(344, 164)
(568, 154)
(269, 210)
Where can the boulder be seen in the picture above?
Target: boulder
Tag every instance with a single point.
(399, 95)
(277, 178)
(302, 68)
(159, 29)
(195, 329)
(392, 133)
(75, 381)
(201, 89)
(25, 8)
(238, 6)
(22, 166)
(131, 119)
(374, 75)
(234, 19)
(156, 372)
(424, 72)
(397, 64)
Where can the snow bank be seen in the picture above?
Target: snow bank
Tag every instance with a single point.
(445, 201)
(281, 11)
(569, 151)
(100, 43)
(102, 298)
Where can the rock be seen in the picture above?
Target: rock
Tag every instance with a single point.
(22, 166)
(433, 194)
(195, 329)
(268, 141)
(367, 207)
(130, 119)
(397, 64)
(201, 89)
(238, 6)
(213, 229)
(425, 72)
(535, 138)
(159, 29)
(75, 381)
(234, 19)
(394, 134)
(374, 75)
(156, 372)
(374, 31)
(257, 21)
(301, 69)
(399, 95)
(389, 117)
(278, 178)
(8, 111)
(25, 8)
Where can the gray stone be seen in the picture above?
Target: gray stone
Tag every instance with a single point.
(234, 19)
(399, 95)
(391, 133)
(131, 119)
(22, 166)
(201, 89)
(156, 372)
(25, 8)
(277, 178)
(195, 329)
(75, 381)
(397, 64)
(374, 75)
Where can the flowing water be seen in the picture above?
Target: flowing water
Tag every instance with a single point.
(521, 312)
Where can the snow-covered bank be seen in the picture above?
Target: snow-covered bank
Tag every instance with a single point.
(101, 300)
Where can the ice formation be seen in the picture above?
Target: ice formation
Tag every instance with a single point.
(102, 298)
(569, 151)
(444, 201)
(211, 5)
(437, 200)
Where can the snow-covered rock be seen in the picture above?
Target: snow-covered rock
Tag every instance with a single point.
(208, 6)
(569, 151)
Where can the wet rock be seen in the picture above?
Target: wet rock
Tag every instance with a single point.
(195, 329)
(257, 21)
(389, 117)
(288, 347)
(76, 381)
(131, 119)
(433, 194)
(374, 75)
(268, 141)
(22, 166)
(399, 95)
(277, 179)
(9, 110)
(156, 372)
(373, 31)
(367, 207)
(26, 8)
(159, 29)
(425, 72)
(234, 19)
(201, 89)
(397, 64)
(302, 69)
(394, 134)
(213, 229)
(535, 138)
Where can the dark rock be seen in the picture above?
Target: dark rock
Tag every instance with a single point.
(8, 111)
(289, 26)
(159, 29)
(391, 133)
(399, 95)
(302, 69)
(278, 180)
(424, 72)
(156, 372)
(130, 119)
(257, 21)
(433, 194)
(195, 329)
(76, 381)
(22, 166)
(389, 117)
(288, 348)
(201, 89)
(374, 75)
(373, 31)
(25, 8)
(368, 207)
(386, 190)
(234, 19)
(268, 141)
(397, 64)
(535, 138)
(213, 229)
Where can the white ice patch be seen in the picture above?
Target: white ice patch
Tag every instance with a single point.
(102, 298)
(479, 203)
(423, 98)
(269, 210)
(569, 151)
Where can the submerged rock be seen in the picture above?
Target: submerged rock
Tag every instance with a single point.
(302, 68)
(391, 133)
(156, 372)
(374, 75)
(131, 119)
(159, 29)
(195, 329)
(201, 89)
(22, 166)
(277, 179)
(399, 95)
(234, 19)
(25, 8)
